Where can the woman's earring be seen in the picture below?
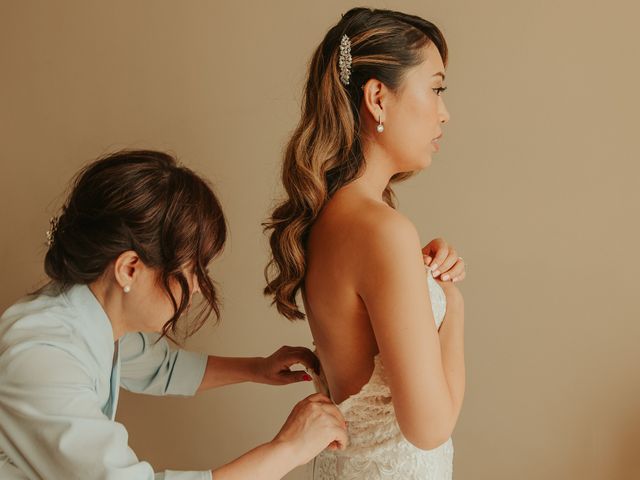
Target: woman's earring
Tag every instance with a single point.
(126, 289)
(380, 127)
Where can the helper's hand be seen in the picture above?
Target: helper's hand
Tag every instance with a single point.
(315, 423)
(275, 369)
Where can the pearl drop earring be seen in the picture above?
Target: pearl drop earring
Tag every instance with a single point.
(126, 289)
(380, 127)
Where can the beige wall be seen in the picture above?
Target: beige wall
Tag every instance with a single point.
(536, 185)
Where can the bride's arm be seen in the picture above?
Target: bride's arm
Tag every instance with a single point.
(451, 335)
(423, 366)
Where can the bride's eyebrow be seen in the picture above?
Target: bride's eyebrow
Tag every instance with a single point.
(439, 73)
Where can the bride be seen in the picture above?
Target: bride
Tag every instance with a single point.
(390, 341)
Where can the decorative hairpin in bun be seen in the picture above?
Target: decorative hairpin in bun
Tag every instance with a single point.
(345, 59)
(53, 226)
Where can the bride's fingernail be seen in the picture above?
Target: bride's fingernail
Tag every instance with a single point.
(445, 277)
(436, 273)
(433, 266)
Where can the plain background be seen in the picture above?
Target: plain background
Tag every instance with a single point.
(536, 185)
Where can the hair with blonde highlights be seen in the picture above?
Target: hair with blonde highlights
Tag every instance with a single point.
(324, 152)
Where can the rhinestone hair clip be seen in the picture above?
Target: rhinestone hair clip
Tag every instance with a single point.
(53, 226)
(345, 59)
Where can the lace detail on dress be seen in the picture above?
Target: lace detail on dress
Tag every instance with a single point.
(377, 448)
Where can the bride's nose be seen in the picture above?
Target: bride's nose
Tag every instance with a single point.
(444, 114)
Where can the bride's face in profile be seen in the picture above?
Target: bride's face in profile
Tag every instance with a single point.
(415, 114)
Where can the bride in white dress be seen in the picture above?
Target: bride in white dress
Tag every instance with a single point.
(377, 448)
(389, 340)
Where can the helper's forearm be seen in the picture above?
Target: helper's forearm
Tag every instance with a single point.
(270, 461)
(452, 347)
(227, 370)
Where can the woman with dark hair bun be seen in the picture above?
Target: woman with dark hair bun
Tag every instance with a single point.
(391, 359)
(125, 257)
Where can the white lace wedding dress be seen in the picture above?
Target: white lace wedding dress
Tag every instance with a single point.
(377, 449)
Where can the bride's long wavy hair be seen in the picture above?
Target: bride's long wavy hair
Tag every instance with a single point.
(324, 152)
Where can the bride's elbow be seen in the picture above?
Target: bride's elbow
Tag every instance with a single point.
(427, 438)
(429, 442)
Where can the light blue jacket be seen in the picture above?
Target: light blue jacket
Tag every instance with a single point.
(60, 373)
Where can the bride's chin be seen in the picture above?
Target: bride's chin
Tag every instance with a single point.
(426, 163)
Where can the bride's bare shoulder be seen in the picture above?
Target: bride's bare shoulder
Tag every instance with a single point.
(372, 224)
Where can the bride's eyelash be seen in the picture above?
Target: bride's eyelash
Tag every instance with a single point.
(439, 90)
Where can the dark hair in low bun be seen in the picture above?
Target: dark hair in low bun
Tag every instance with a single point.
(140, 200)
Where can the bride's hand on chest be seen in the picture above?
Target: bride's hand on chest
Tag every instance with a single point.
(443, 260)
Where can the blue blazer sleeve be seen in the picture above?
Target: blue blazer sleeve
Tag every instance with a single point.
(52, 425)
(155, 369)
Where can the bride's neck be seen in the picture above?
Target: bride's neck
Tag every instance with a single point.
(379, 168)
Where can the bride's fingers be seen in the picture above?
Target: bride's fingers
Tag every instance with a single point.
(433, 246)
(446, 263)
(455, 271)
(460, 277)
(439, 258)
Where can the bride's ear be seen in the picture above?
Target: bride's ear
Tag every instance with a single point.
(375, 96)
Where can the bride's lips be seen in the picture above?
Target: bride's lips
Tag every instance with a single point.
(435, 144)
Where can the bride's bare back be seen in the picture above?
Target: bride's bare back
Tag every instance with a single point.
(336, 314)
(365, 293)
